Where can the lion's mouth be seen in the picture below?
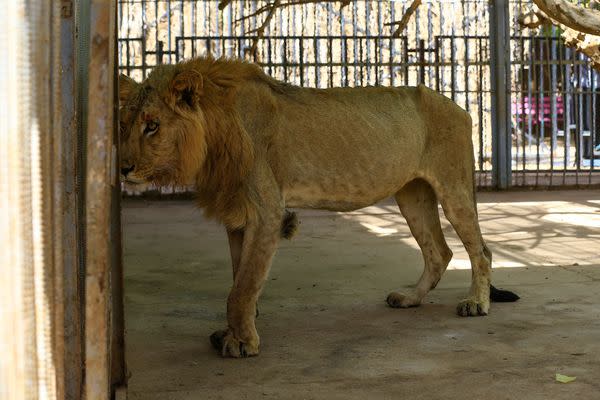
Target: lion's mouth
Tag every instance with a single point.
(132, 180)
(160, 177)
(163, 177)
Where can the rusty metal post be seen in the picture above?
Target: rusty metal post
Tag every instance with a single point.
(118, 365)
(101, 165)
(67, 209)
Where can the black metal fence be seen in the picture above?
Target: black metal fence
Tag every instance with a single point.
(555, 107)
(554, 96)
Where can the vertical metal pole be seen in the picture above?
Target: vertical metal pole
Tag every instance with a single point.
(82, 22)
(500, 80)
(118, 368)
(101, 165)
(67, 214)
(160, 52)
(422, 61)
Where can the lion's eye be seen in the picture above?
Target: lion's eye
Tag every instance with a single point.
(151, 128)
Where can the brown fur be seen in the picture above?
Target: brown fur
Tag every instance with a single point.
(252, 146)
(220, 189)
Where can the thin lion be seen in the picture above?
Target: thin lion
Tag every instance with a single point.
(252, 146)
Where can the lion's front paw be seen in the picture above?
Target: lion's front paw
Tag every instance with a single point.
(229, 346)
(398, 300)
(472, 308)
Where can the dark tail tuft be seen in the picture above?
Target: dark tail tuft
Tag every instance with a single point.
(502, 296)
(289, 225)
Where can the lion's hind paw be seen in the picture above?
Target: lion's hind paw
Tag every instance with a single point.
(472, 308)
(398, 300)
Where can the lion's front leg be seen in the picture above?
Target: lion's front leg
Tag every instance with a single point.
(236, 241)
(241, 339)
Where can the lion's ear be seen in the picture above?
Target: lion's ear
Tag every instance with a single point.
(127, 87)
(186, 88)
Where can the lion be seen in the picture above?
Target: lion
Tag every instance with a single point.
(253, 146)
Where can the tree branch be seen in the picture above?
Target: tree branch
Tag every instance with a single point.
(582, 42)
(585, 20)
(261, 30)
(586, 44)
(270, 10)
(405, 18)
(224, 3)
(268, 7)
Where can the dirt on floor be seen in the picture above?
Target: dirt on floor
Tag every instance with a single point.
(326, 331)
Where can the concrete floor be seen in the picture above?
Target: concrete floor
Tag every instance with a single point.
(325, 329)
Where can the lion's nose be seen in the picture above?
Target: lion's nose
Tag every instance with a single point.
(127, 170)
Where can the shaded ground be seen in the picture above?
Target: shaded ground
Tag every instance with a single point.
(325, 329)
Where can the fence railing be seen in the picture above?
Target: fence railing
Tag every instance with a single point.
(555, 101)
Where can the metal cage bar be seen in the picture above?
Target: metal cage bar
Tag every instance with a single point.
(104, 342)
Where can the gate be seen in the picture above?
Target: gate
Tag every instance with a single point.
(535, 131)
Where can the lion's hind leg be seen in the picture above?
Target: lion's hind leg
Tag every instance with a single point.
(419, 206)
(461, 210)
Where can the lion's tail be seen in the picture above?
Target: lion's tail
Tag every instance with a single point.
(502, 296)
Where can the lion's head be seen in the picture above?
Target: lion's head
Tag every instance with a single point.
(163, 130)
(180, 127)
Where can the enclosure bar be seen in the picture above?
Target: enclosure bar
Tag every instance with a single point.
(169, 29)
(330, 57)
(83, 58)
(480, 110)
(594, 123)
(143, 41)
(436, 53)
(466, 73)
(527, 93)
(523, 124)
(577, 100)
(301, 61)
(368, 42)
(554, 108)
(377, 61)
(118, 370)
(156, 19)
(567, 112)
(500, 84)
(345, 67)
(406, 67)
(101, 161)
(269, 54)
(316, 57)
(67, 211)
(541, 106)
(453, 68)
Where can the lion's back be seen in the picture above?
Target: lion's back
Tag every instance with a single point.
(354, 146)
(343, 148)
